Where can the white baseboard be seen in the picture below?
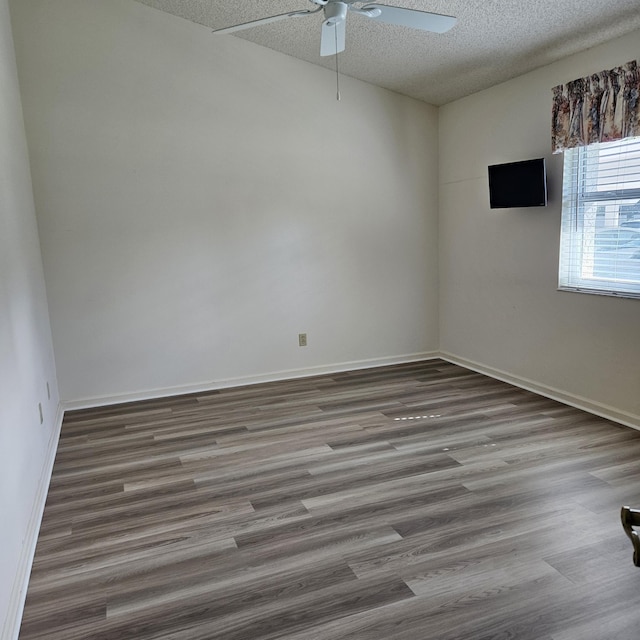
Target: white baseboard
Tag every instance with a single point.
(11, 627)
(602, 410)
(102, 401)
(596, 408)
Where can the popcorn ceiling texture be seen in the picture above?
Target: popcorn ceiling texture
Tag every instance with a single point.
(493, 41)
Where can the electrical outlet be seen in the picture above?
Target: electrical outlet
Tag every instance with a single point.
(302, 339)
(40, 410)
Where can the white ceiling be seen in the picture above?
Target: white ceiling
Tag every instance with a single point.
(494, 40)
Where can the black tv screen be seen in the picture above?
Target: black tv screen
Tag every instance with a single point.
(518, 184)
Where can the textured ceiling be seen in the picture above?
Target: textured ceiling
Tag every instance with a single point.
(494, 40)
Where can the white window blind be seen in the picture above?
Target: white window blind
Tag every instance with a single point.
(600, 237)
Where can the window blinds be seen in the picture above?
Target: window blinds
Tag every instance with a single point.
(600, 235)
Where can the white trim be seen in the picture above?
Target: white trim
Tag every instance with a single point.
(602, 410)
(102, 401)
(596, 408)
(18, 595)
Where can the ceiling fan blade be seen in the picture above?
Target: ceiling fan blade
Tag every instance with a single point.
(255, 23)
(410, 18)
(331, 33)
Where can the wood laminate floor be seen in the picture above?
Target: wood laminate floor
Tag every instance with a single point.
(420, 501)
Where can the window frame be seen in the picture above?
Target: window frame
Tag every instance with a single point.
(581, 198)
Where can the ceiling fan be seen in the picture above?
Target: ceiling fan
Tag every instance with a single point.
(332, 39)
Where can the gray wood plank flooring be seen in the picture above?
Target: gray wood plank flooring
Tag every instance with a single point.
(418, 501)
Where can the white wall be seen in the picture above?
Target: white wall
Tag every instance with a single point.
(203, 200)
(26, 355)
(499, 307)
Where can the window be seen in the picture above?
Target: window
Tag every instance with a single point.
(600, 237)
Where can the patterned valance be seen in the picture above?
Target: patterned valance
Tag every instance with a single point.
(601, 107)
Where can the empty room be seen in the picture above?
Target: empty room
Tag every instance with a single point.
(319, 320)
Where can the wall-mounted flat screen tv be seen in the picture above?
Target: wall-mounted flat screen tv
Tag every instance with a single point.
(518, 184)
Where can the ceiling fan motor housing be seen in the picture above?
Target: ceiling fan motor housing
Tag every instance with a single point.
(335, 13)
